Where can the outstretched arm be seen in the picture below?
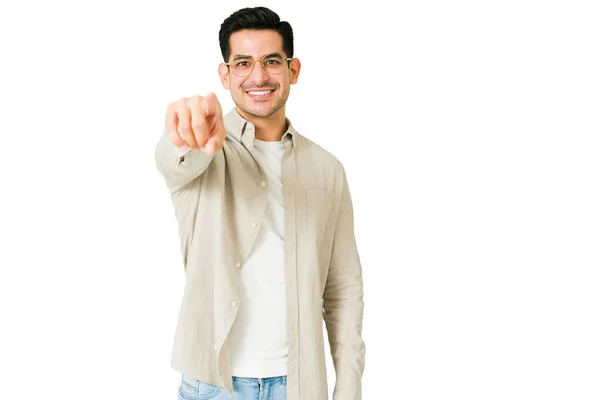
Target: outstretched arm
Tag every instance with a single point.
(194, 131)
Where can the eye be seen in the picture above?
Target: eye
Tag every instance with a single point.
(272, 61)
(242, 64)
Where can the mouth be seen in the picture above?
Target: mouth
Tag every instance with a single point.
(261, 94)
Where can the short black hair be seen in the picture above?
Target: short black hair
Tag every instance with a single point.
(255, 18)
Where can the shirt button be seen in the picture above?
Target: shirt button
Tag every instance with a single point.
(238, 265)
(254, 225)
(263, 184)
(234, 303)
(215, 346)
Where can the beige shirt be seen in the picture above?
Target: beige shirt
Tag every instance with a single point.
(219, 204)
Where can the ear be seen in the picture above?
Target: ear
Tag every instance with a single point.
(224, 75)
(294, 70)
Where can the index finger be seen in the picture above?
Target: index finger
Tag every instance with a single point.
(211, 105)
(199, 124)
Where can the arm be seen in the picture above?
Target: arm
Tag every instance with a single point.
(179, 166)
(343, 305)
(193, 123)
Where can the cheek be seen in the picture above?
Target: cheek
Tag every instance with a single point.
(283, 82)
(235, 82)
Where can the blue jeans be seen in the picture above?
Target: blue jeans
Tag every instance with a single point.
(273, 388)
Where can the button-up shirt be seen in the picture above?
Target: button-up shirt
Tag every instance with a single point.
(219, 203)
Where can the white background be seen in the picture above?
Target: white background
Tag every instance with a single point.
(470, 135)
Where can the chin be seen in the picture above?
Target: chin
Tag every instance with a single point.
(262, 111)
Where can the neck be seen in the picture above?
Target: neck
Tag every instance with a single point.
(268, 129)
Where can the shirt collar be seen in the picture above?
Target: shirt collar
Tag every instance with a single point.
(243, 130)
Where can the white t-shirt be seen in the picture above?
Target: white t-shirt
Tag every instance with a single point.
(258, 338)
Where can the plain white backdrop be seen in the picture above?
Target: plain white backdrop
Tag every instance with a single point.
(470, 135)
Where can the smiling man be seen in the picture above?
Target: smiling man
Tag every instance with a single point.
(267, 234)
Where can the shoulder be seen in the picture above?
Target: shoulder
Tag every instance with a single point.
(309, 151)
(320, 164)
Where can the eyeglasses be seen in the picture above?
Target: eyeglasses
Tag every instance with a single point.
(272, 64)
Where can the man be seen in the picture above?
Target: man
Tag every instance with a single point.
(267, 234)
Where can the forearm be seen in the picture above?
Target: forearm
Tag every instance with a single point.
(343, 314)
(179, 167)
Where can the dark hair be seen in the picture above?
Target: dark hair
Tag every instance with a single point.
(256, 18)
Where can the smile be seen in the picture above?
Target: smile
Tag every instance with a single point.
(260, 94)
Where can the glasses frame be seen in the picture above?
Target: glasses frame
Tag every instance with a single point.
(262, 64)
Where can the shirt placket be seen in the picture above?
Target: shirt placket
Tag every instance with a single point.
(288, 173)
(250, 235)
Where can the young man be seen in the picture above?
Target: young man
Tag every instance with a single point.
(267, 234)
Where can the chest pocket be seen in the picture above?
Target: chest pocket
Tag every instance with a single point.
(320, 213)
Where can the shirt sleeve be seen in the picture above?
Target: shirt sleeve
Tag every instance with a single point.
(343, 304)
(179, 166)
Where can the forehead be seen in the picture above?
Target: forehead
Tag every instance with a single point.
(255, 43)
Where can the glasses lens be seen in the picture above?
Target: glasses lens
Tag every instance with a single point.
(242, 67)
(274, 65)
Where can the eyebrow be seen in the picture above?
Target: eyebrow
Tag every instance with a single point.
(237, 57)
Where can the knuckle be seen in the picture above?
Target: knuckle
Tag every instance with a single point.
(184, 126)
(170, 109)
(178, 105)
(195, 100)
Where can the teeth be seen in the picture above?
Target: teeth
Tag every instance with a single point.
(260, 93)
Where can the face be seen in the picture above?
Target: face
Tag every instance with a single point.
(259, 94)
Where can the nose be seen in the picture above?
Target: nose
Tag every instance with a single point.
(258, 74)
